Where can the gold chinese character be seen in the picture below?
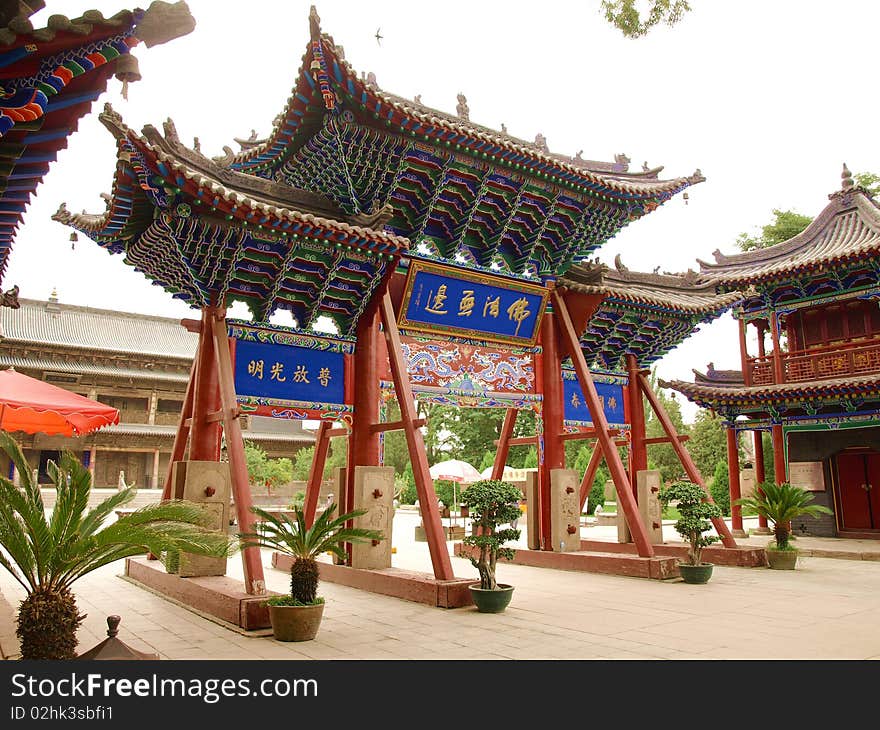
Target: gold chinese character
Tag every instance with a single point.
(466, 305)
(436, 301)
(300, 375)
(518, 312)
(612, 403)
(492, 305)
(255, 368)
(602, 401)
(276, 371)
(324, 376)
(575, 401)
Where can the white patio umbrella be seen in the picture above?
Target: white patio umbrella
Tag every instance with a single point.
(455, 471)
(487, 472)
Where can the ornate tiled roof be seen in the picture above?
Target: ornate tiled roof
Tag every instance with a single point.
(718, 396)
(847, 229)
(719, 377)
(50, 77)
(94, 330)
(465, 191)
(643, 314)
(204, 233)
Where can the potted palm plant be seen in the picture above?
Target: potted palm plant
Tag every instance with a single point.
(297, 616)
(491, 503)
(692, 524)
(48, 554)
(780, 504)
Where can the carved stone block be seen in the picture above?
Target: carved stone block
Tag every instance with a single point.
(565, 510)
(374, 492)
(648, 484)
(209, 484)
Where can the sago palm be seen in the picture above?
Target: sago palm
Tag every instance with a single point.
(782, 503)
(47, 554)
(291, 536)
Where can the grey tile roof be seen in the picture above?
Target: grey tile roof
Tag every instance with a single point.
(65, 325)
(146, 429)
(82, 367)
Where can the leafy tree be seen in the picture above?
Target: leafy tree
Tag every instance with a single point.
(769, 464)
(786, 224)
(720, 486)
(624, 15)
(263, 470)
(488, 460)
(408, 494)
(302, 462)
(663, 456)
(531, 460)
(597, 494)
(708, 442)
(869, 181)
(48, 554)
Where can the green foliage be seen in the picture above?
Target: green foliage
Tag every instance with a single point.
(290, 536)
(624, 15)
(708, 443)
(298, 500)
(780, 504)
(531, 460)
(597, 495)
(695, 514)
(769, 464)
(786, 224)
(488, 460)
(302, 463)
(408, 494)
(46, 555)
(869, 181)
(663, 456)
(720, 488)
(263, 470)
(491, 503)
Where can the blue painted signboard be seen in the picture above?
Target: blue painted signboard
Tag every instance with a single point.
(448, 301)
(610, 396)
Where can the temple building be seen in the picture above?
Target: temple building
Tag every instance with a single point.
(136, 363)
(814, 379)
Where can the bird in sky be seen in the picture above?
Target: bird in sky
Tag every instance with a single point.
(379, 36)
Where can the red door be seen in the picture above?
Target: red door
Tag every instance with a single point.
(858, 484)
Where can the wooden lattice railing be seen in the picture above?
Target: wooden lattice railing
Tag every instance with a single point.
(820, 363)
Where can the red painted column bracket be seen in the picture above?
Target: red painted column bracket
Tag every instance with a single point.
(590, 475)
(605, 442)
(416, 446)
(254, 581)
(684, 457)
(316, 471)
(504, 443)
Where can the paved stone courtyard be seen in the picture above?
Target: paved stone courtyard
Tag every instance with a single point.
(826, 609)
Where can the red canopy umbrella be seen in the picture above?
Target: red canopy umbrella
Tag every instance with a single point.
(34, 406)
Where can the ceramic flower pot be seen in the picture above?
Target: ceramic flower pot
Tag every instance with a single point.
(491, 601)
(295, 623)
(696, 574)
(781, 559)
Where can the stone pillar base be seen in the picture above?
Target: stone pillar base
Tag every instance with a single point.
(760, 531)
(739, 533)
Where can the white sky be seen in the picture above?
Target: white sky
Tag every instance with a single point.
(768, 99)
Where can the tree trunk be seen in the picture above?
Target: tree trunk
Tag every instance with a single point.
(47, 624)
(304, 580)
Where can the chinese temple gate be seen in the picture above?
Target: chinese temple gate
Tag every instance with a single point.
(449, 258)
(814, 381)
(50, 77)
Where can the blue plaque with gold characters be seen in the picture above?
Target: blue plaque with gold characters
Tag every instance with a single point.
(444, 300)
(610, 396)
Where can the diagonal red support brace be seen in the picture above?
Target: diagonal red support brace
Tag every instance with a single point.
(254, 581)
(606, 443)
(178, 450)
(684, 457)
(590, 475)
(316, 471)
(416, 446)
(504, 443)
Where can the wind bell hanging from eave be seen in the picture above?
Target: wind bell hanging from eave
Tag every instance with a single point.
(127, 70)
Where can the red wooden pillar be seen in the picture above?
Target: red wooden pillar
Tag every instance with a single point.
(744, 354)
(204, 434)
(683, 456)
(590, 475)
(639, 451)
(779, 453)
(316, 473)
(553, 402)
(363, 444)
(254, 582)
(735, 488)
(504, 443)
(760, 476)
(178, 450)
(415, 446)
(778, 371)
(605, 441)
